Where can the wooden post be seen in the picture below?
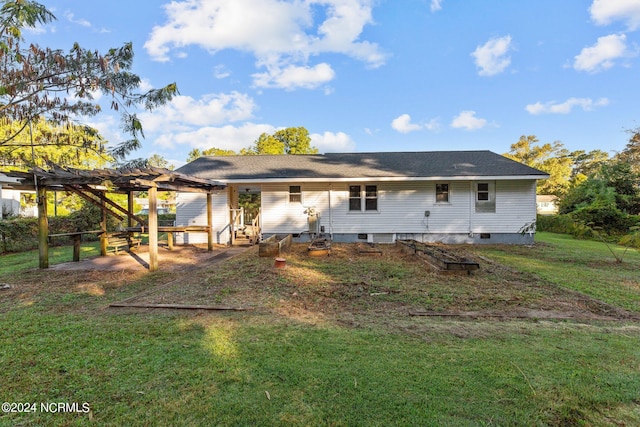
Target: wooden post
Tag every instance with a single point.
(76, 247)
(210, 221)
(153, 229)
(103, 226)
(170, 240)
(43, 228)
(130, 208)
(232, 216)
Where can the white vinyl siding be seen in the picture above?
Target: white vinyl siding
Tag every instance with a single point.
(401, 208)
(191, 209)
(278, 214)
(515, 207)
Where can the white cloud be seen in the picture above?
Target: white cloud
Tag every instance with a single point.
(281, 35)
(603, 54)
(436, 5)
(403, 124)
(185, 112)
(604, 12)
(467, 120)
(492, 57)
(221, 72)
(587, 104)
(82, 22)
(330, 142)
(225, 137)
(293, 77)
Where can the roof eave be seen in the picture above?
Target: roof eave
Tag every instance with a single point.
(386, 179)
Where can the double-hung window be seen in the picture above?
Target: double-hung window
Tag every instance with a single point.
(363, 196)
(295, 194)
(483, 191)
(442, 193)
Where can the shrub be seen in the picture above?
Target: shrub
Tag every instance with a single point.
(564, 224)
(18, 234)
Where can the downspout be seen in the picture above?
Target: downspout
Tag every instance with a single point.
(471, 201)
(1, 202)
(330, 214)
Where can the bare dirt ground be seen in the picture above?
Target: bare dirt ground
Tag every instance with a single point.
(350, 284)
(350, 288)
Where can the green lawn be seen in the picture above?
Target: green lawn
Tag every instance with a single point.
(269, 368)
(582, 265)
(17, 262)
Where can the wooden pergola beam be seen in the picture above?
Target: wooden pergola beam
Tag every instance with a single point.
(111, 203)
(98, 203)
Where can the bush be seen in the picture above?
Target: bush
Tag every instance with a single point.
(606, 217)
(564, 224)
(18, 234)
(21, 234)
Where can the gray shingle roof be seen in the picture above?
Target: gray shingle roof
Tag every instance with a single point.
(422, 164)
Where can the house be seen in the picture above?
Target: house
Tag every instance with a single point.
(9, 198)
(440, 196)
(547, 204)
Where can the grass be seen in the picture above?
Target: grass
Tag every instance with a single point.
(319, 349)
(21, 261)
(582, 265)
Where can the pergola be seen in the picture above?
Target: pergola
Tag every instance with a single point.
(92, 185)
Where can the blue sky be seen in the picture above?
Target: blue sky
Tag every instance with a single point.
(371, 75)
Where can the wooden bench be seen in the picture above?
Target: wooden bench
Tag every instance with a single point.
(122, 240)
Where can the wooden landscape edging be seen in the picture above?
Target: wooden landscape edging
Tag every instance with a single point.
(271, 246)
(438, 258)
(179, 306)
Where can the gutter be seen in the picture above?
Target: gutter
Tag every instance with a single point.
(383, 179)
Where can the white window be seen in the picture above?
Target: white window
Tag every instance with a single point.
(486, 197)
(442, 193)
(295, 194)
(363, 196)
(483, 191)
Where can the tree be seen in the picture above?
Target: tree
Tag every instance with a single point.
(42, 142)
(42, 83)
(295, 140)
(553, 159)
(158, 161)
(292, 140)
(213, 151)
(586, 164)
(265, 144)
(631, 153)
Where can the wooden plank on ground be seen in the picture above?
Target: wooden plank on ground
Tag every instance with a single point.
(180, 306)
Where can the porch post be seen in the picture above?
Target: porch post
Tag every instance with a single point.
(232, 216)
(210, 221)
(103, 226)
(153, 229)
(43, 228)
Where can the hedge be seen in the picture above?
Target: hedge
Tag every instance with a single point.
(21, 234)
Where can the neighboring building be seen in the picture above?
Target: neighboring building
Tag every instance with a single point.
(448, 196)
(547, 204)
(9, 199)
(165, 206)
